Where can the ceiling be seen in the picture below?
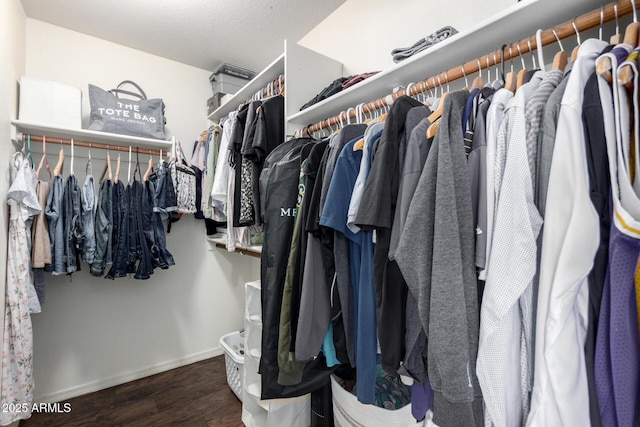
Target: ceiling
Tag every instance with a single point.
(202, 33)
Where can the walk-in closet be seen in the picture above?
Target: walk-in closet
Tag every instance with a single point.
(314, 214)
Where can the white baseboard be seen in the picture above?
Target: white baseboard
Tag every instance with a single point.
(101, 384)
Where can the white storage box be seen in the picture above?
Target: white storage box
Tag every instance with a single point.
(233, 345)
(50, 103)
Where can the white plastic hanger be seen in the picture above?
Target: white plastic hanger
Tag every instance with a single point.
(71, 171)
(129, 169)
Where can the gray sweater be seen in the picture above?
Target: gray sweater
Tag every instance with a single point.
(436, 257)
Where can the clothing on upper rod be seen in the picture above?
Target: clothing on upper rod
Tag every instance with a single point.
(584, 22)
(523, 156)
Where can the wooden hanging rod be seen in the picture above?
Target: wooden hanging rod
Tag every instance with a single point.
(98, 145)
(584, 22)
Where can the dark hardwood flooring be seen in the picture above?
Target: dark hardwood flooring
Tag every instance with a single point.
(195, 395)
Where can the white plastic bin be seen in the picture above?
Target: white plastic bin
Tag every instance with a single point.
(234, 348)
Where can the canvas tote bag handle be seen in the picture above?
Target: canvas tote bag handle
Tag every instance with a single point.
(117, 90)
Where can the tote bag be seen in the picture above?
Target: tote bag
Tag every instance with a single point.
(134, 117)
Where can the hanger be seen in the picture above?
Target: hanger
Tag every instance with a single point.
(137, 169)
(71, 170)
(88, 170)
(478, 83)
(383, 116)
(533, 58)
(560, 60)
(510, 80)
(466, 80)
(574, 53)
(617, 37)
(408, 90)
(523, 71)
(499, 78)
(107, 167)
(539, 49)
(129, 168)
(438, 113)
(116, 178)
(604, 66)
(626, 72)
(28, 156)
(632, 30)
(433, 118)
(57, 170)
(44, 159)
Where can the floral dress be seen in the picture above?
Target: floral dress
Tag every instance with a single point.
(16, 384)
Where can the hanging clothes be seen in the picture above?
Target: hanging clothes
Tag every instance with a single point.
(55, 217)
(280, 179)
(617, 351)
(73, 231)
(17, 350)
(103, 227)
(563, 291)
(120, 231)
(41, 245)
(507, 307)
(376, 212)
(88, 220)
(436, 257)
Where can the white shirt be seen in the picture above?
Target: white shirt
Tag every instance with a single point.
(506, 315)
(571, 237)
(495, 113)
(221, 177)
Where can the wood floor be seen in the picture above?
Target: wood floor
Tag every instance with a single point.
(196, 395)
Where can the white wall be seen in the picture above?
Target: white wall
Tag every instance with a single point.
(362, 33)
(95, 332)
(12, 33)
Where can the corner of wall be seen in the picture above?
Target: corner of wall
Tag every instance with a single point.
(12, 52)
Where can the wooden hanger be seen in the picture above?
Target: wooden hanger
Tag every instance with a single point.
(522, 72)
(560, 59)
(510, 79)
(57, 170)
(117, 175)
(574, 52)
(627, 73)
(44, 159)
(604, 67)
(438, 113)
(617, 37)
(149, 169)
(435, 116)
(107, 167)
(478, 82)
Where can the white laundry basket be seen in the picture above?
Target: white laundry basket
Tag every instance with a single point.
(233, 345)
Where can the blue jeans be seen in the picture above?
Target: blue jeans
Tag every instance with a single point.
(165, 199)
(103, 229)
(120, 234)
(88, 206)
(154, 230)
(73, 231)
(55, 218)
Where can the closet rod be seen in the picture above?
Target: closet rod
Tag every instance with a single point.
(584, 22)
(92, 145)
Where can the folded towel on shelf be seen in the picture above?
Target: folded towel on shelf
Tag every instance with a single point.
(400, 54)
